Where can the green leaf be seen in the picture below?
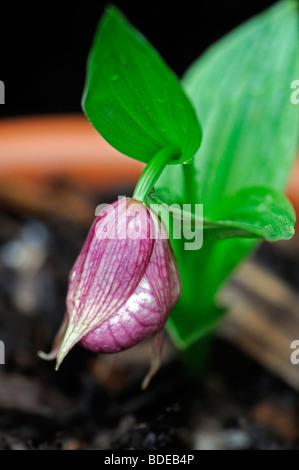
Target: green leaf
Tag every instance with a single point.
(241, 91)
(257, 212)
(131, 96)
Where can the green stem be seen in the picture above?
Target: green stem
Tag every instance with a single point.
(190, 183)
(153, 170)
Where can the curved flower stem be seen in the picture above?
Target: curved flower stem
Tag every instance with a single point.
(153, 170)
(190, 184)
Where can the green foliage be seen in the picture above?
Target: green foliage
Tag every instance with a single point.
(240, 92)
(132, 98)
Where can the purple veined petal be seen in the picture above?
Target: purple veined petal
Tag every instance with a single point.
(146, 311)
(162, 271)
(163, 276)
(76, 281)
(122, 287)
(109, 271)
(136, 320)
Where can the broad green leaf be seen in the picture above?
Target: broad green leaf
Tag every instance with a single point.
(241, 91)
(256, 212)
(131, 96)
(251, 126)
(251, 213)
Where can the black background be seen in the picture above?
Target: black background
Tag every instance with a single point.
(44, 45)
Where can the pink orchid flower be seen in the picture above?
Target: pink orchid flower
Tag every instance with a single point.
(122, 287)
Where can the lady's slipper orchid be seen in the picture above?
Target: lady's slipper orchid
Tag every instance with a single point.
(123, 285)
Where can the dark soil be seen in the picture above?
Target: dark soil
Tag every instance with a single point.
(95, 402)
